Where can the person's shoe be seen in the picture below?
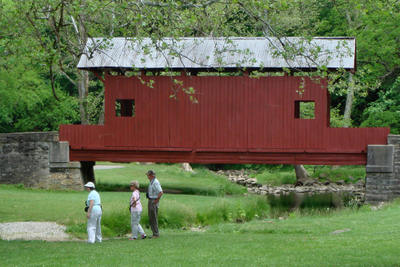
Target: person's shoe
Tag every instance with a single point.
(132, 238)
(154, 236)
(144, 236)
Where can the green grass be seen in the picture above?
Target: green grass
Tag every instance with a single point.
(171, 177)
(273, 177)
(347, 173)
(284, 174)
(373, 239)
(239, 230)
(205, 182)
(176, 211)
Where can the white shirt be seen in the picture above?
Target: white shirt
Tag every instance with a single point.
(154, 188)
(93, 195)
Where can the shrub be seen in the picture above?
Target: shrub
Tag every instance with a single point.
(118, 222)
(178, 215)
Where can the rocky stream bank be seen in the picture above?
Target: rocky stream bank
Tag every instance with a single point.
(309, 186)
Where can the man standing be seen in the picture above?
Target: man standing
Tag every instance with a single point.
(154, 194)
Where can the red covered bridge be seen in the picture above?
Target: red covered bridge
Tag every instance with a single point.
(237, 119)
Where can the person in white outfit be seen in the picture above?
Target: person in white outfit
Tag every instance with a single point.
(94, 213)
(135, 207)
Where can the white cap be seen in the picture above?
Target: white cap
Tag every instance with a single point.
(89, 184)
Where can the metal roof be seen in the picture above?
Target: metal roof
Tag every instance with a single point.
(215, 53)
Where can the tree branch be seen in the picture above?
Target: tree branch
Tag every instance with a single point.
(52, 81)
(186, 5)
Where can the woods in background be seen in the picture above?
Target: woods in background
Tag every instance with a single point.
(41, 42)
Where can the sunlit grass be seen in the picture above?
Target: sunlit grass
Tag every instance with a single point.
(286, 174)
(368, 238)
(171, 176)
(176, 211)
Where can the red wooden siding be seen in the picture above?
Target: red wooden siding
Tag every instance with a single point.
(236, 120)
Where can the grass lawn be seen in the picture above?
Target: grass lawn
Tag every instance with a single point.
(176, 211)
(171, 177)
(276, 175)
(238, 230)
(372, 239)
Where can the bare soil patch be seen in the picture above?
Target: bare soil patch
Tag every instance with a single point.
(48, 231)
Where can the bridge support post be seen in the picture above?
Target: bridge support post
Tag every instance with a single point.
(87, 171)
(383, 171)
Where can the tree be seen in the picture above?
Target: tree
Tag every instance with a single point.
(57, 31)
(385, 111)
(25, 99)
(374, 24)
(61, 28)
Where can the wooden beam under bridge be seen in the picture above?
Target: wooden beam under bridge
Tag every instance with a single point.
(203, 157)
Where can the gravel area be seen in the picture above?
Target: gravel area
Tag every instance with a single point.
(49, 231)
(106, 167)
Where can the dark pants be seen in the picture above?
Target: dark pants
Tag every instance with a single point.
(153, 216)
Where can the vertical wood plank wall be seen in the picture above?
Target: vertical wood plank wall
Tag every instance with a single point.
(233, 114)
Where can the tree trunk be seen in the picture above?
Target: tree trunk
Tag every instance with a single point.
(83, 84)
(348, 107)
(101, 115)
(301, 173)
(349, 101)
(87, 171)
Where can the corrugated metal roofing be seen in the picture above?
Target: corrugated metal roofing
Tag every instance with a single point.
(214, 53)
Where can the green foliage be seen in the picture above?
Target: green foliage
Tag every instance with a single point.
(95, 106)
(26, 99)
(385, 111)
(307, 110)
(383, 118)
(374, 24)
(48, 35)
(27, 103)
(116, 222)
(247, 209)
(381, 20)
(336, 119)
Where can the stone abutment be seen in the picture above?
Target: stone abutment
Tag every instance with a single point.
(38, 159)
(382, 181)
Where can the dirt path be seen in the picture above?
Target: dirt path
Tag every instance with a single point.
(49, 231)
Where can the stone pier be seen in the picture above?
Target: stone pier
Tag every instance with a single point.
(38, 159)
(383, 171)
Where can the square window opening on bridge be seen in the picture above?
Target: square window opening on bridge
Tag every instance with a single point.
(125, 108)
(304, 109)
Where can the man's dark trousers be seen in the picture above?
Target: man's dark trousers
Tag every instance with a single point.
(153, 216)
